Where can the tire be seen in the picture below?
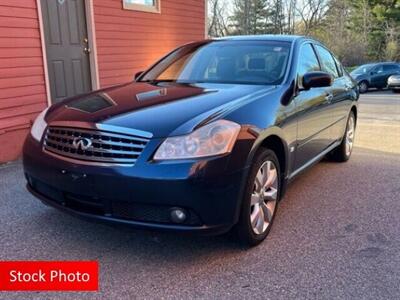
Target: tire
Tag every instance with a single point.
(343, 152)
(396, 91)
(363, 86)
(252, 227)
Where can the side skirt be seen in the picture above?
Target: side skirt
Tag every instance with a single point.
(313, 161)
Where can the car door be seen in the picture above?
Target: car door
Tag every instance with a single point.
(341, 90)
(314, 115)
(377, 77)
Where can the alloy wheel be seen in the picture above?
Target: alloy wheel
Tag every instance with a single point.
(363, 87)
(350, 135)
(264, 197)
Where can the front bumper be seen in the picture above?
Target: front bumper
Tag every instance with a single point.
(141, 196)
(394, 85)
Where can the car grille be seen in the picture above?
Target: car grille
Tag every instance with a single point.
(94, 145)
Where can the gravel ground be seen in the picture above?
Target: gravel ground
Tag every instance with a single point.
(336, 235)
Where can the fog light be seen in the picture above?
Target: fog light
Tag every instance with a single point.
(178, 215)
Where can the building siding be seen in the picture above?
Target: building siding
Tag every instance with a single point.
(22, 83)
(130, 41)
(127, 42)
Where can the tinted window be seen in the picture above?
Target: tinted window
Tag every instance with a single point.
(363, 69)
(327, 61)
(308, 61)
(378, 69)
(390, 68)
(246, 62)
(339, 67)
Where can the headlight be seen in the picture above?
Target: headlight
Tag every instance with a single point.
(39, 126)
(213, 139)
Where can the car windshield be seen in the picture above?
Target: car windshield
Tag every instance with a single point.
(363, 69)
(237, 62)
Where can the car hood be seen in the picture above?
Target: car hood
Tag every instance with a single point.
(163, 109)
(358, 76)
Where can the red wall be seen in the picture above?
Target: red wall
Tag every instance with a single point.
(129, 41)
(22, 87)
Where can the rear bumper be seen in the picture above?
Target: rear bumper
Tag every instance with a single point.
(140, 196)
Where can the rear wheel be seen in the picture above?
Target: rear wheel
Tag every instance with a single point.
(261, 198)
(363, 85)
(343, 152)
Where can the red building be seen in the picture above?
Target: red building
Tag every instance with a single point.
(52, 49)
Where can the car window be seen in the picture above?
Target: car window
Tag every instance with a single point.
(364, 69)
(327, 62)
(233, 62)
(387, 68)
(378, 69)
(308, 62)
(339, 67)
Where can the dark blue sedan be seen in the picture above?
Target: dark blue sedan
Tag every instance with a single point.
(374, 75)
(206, 140)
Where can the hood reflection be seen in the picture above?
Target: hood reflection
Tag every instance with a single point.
(92, 104)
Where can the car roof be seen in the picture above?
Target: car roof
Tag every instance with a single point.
(264, 37)
(381, 63)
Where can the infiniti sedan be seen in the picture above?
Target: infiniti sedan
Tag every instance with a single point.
(206, 140)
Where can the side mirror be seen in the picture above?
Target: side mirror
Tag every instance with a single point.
(317, 79)
(137, 75)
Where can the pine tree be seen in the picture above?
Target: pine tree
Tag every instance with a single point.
(250, 17)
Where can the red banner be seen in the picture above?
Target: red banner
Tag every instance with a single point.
(49, 276)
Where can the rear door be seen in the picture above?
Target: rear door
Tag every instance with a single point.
(313, 111)
(378, 77)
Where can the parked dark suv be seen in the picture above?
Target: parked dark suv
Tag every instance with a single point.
(206, 140)
(375, 75)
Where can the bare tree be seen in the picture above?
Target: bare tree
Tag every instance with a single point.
(311, 13)
(392, 49)
(217, 18)
(291, 16)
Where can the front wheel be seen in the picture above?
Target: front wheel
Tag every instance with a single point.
(260, 201)
(343, 152)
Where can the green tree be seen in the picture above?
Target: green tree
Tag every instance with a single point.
(250, 17)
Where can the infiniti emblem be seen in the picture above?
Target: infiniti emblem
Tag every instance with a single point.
(81, 143)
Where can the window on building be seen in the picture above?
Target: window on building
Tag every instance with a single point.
(142, 5)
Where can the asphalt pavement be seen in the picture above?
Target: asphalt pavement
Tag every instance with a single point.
(336, 235)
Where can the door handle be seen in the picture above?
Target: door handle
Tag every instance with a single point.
(87, 50)
(329, 97)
